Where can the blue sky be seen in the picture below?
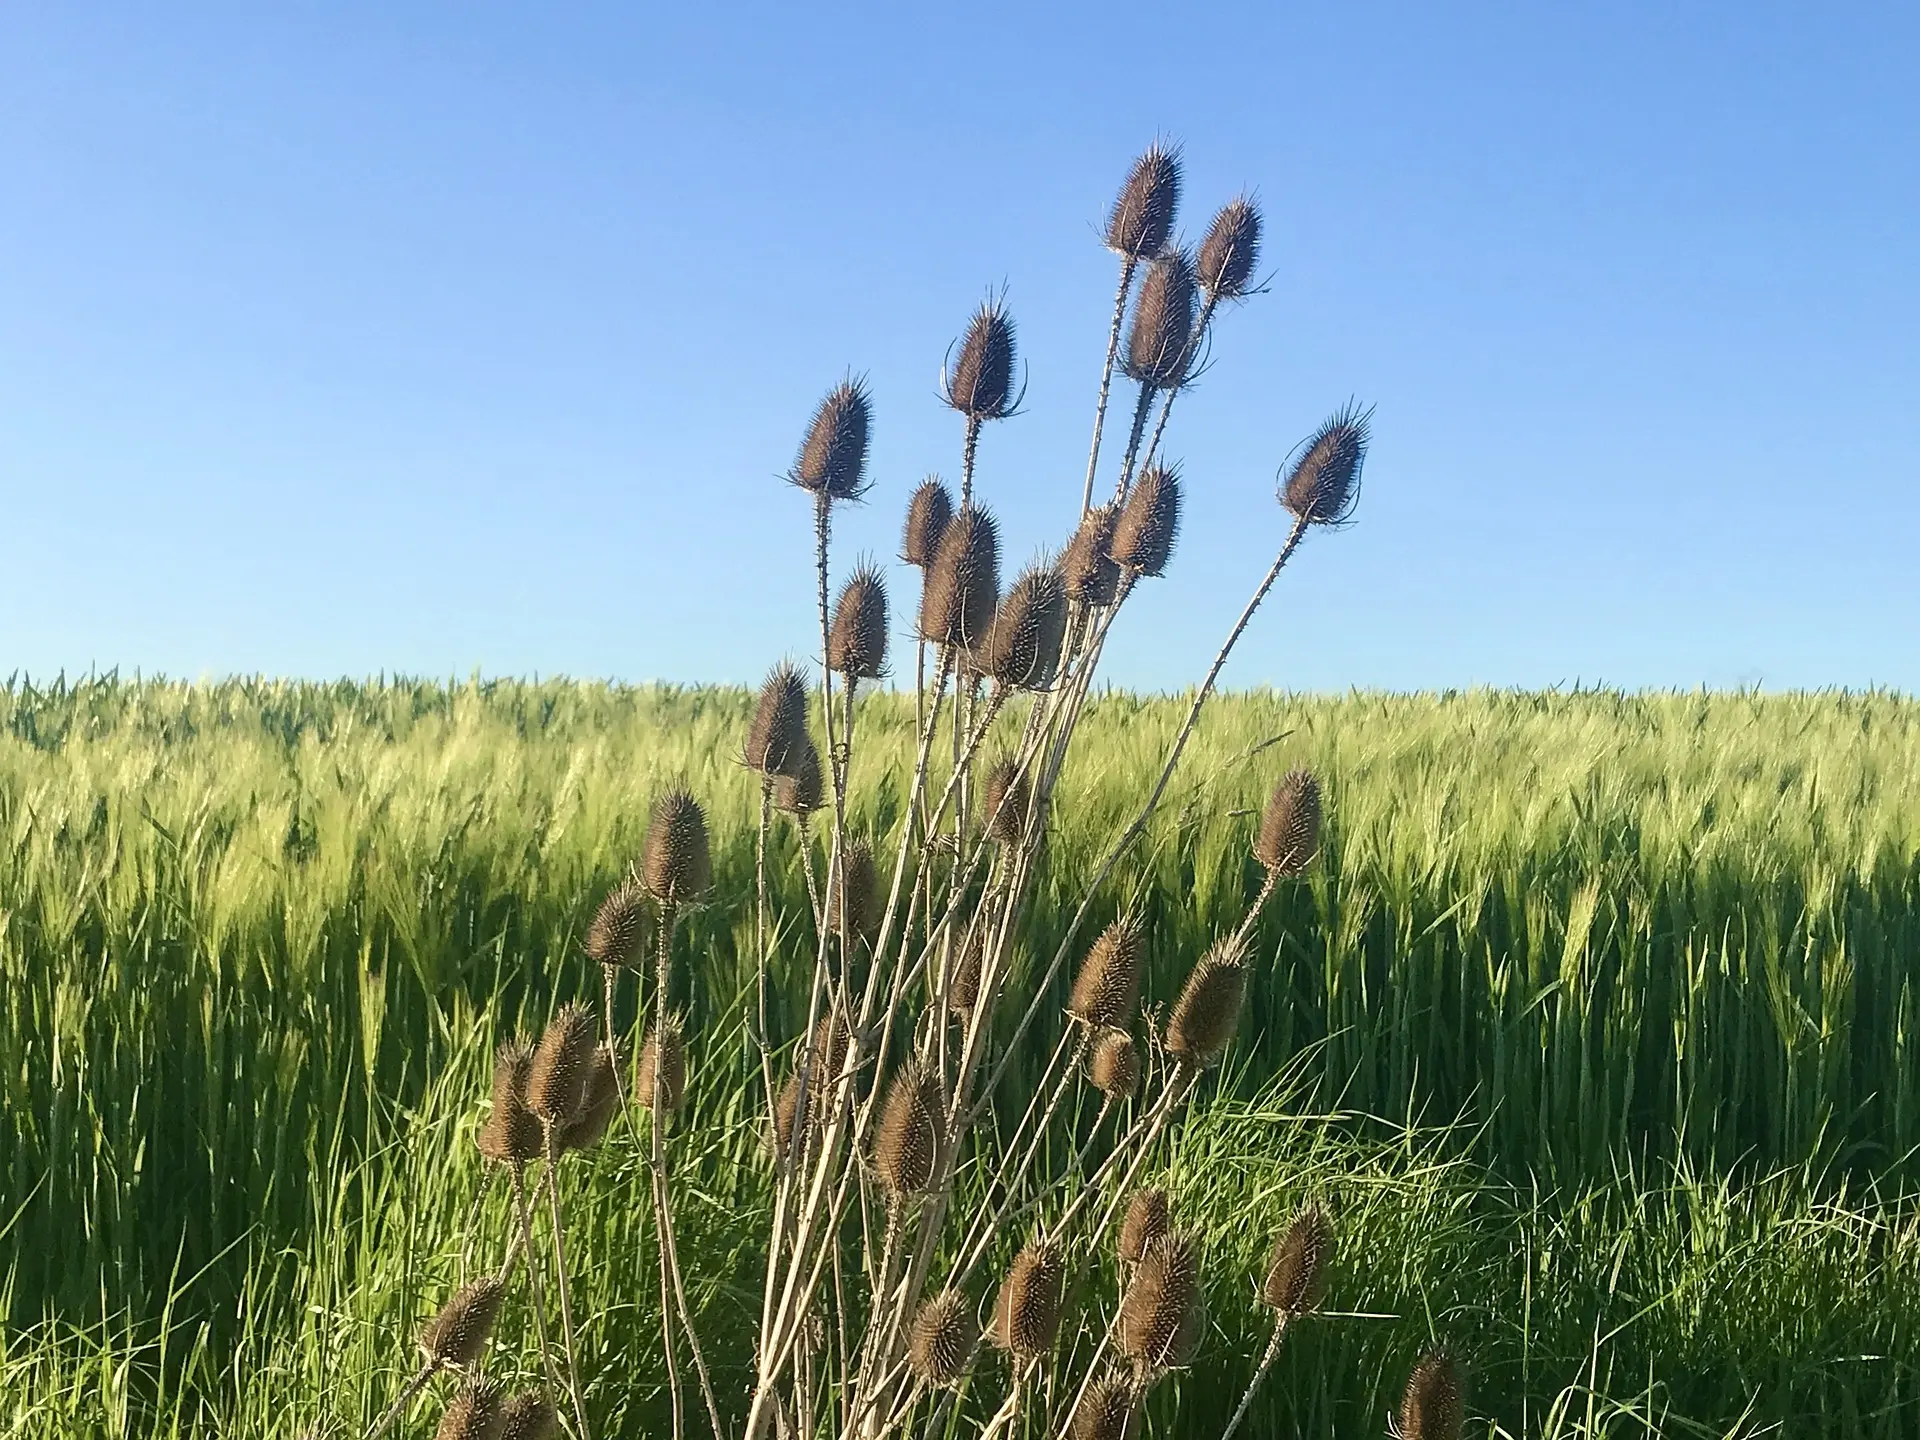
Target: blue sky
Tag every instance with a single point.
(347, 338)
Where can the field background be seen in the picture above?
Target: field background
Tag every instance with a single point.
(1598, 1027)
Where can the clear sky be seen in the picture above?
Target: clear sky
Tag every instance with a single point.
(343, 338)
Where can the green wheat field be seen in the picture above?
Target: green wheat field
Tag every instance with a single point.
(1597, 1027)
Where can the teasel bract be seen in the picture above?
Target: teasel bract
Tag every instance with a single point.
(676, 864)
(557, 1079)
(1143, 213)
(962, 588)
(1106, 1411)
(833, 458)
(1114, 1065)
(663, 1067)
(1162, 1292)
(929, 512)
(1297, 1275)
(857, 639)
(1087, 568)
(906, 1148)
(1149, 522)
(1434, 1405)
(529, 1415)
(778, 733)
(1160, 345)
(599, 1102)
(1026, 1312)
(979, 382)
(1107, 985)
(1007, 801)
(1322, 485)
(511, 1134)
(456, 1336)
(1230, 251)
(1022, 646)
(472, 1414)
(943, 1339)
(1149, 1215)
(1207, 1013)
(617, 934)
(1289, 835)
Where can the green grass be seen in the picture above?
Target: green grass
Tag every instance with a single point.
(1598, 1025)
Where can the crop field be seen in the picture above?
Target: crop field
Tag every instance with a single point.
(1596, 1026)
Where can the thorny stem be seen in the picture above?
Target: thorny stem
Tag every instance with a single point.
(523, 1210)
(393, 1412)
(566, 1294)
(1141, 408)
(1166, 402)
(1127, 264)
(967, 453)
(1260, 1373)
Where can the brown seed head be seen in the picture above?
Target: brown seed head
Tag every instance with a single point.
(1163, 1290)
(1088, 568)
(854, 910)
(618, 932)
(779, 727)
(1231, 250)
(799, 793)
(1207, 1013)
(1160, 345)
(1026, 1313)
(1149, 1216)
(1297, 1277)
(511, 1135)
(1106, 1411)
(969, 964)
(1114, 1065)
(833, 458)
(827, 1057)
(528, 1416)
(1434, 1406)
(1290, 827)
(599, 1102)
(962, 587)
(1149, 523)
(1107, 986)
(677, 864)
(1007, 802)
(857, 639)
(663, 1067)
(1323, 485)
(1022, 648)
(1142, 216)
(459, 1332)
(943, 1340)
(980, 383)
(557, 1079)
(912, 1130)
(472, 1414)
(928, 514)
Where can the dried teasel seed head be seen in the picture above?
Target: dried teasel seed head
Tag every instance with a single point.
(528, 1416)
(1114, 1065)
(1160, 344)
(943, 1339)
(779, 726)
(912, 1130)
(799, 793)
(599, 1102)
(1107, 1411)
(1434, 1405)
(854, 908)
(1149, 522)
(1149, 1216)
(962, 588)
(511, 1135)
(1164, 1288)
(458, 1334)
(557, 1079)
(472, 1414)
(1022, 648)
(929, 512)
(826, 1058)
(1026, 1313)
(857, 639)
(1107, 986)
(677, 864)
(1207, 1013)
(663, 1067)
(618, 932)
(1007, 802)
(833, 457)
(1231, 250)
(969, 965)
(1088, 568)
(1322, 485)
(979, 384)
(1297, 1276)
(1142, 215)
(1290, 826)
(1186, 1340)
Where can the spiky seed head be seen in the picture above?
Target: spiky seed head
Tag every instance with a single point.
(929, 512)
(1022, 648)
(1008, 801)
(663, 1067)
(1297, 1276)
(857, 639)
(599, 1102)
(1106, 1411)
(459, 1332)
(1160, 344)
(557, 1079)
(969, 964)
(1186, 1340)
(1149, 1216)
(855, 908)
(528, 1416)
(1114, 1065)
(472, 1414)
(786, 1115)
(962, 587)
(1163, 1289)
(826, 1058)
(833, 457)
(1207, 1013)
(1434, 1406)
(617, 934)
(1149, 523)
(800, 792)
(1107, 986)
(779, 727)
(1290, 826)
(1142, 215)
(980, 382)
(511, 1135)
(1088, 568)
(912, 1130)
(1026, 1313)
(677, 864)
(1231, 250)
(1323, 485)
(943, 1340)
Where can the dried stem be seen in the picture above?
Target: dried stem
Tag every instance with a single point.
(1127, 264)
(566, 1294)
(1260, 1373)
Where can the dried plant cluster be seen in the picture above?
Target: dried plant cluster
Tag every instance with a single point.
(929, 1259)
